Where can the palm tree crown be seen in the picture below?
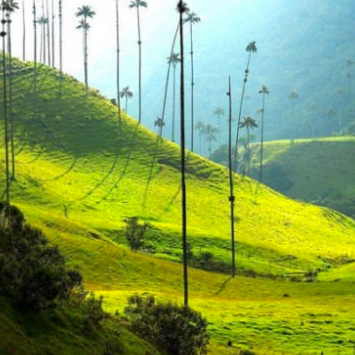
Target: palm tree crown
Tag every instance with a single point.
(251, 47)
(138, 3)
(248, 122)
(218, 112)
(84, 25)
(174, 59)
(264, 90)
(126, 92)
(85, 11)
(192, 18)
(9, 5)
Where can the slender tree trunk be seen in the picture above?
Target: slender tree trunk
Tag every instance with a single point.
(44, 36)
(240, 112)
(6, 137)
(53, 35)
(192, 88)
(168, 74)
(9, 49)
(126, 104)
(200, 135)
(139, 67)
(183, 182)
(60, 46)
(41, 45)
(249, 151)
(48, 34)
(35, 59)
(262, 140)
(23, 31)
(231, 187)
(174, 103)
(118, 67)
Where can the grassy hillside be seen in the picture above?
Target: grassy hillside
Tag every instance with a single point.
(319, 171)
(78, 178)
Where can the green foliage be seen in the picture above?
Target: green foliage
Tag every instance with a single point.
(179, 330)
(32, 272)
(135, 232)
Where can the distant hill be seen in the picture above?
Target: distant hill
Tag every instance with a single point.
(319, 171)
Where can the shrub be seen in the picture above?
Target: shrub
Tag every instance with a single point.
(135, 232)
(179, 330)
(32, 273)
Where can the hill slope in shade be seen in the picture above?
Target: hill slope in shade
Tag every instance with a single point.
(319, 171)
(78, 178)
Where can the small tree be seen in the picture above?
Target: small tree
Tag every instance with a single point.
(179, 330)
(135, 232)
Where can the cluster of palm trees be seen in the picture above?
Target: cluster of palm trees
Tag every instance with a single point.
(209, 132)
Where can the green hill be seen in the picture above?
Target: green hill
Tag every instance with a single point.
(78, 178)
(319, 171)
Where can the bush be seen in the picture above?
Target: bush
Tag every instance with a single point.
(135, 232)
(32, 273)
(179, 330)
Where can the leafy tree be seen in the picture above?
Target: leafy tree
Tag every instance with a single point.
(10, 6)
(173, 60)
(248, 123)
(137, 4)
(85, 12)
(179, 330)
(192, 18)
(127, 94)
(251, 48)
(6, 124)
(32, 272)
(263, 91)
(135, 232)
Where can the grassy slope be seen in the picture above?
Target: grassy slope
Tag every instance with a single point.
(314, 170)
(78, 178)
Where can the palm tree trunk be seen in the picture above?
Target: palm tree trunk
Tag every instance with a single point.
(192, 88)
(86, 62)
(44, 36)
(60, 47)
(139, 68)
(6, 137)
(35, 59)
(53, 35)
(23, 31)
(48, 35)
(248, 133)
(10, 96)
(174, 103)
(183, 182)
(262, 140)
(118, 67)
(231, 187)
(240, 112)
(168, 73)
(126, 104)
(41, 45)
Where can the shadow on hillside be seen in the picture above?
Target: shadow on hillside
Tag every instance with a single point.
(128, 159)
(68, 170)
(22, 147)
(150, 175)
(223, 286)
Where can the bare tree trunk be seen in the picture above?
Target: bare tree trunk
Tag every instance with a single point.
(174, 104)
(35, 59)
(231, 187)
(183, 182)
(60, 47)
(192, 88)
(6, 137)
(262, 140)
(139, 68)
(23, 31)
(118, 67)
(53, 35)
(48, 34)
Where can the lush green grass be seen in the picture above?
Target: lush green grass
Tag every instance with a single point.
(78, 177)
(314, 170)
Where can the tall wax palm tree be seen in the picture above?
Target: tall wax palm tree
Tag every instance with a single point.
(192, 18)
(9, 6)
(85, 12)
(231, 186)
(200, 126)
(248, 123)
(160, 124)
(210, 131)
(42, 21)
(23, 31)
(330, 112)
(53, 35)
(251, 48)
(126, 94)
(6, 136)
(293, 95)
(219, 112)
(60, 15)
(173, 60)
(118, 65)
(137, 4)
(182, 9)
(48, 34)
(34, 12)
(263, 91)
